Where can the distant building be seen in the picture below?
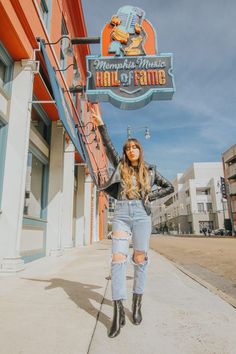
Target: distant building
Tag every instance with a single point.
(229, 162)
(196, 203)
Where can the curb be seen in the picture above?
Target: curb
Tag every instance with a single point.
(206, 285)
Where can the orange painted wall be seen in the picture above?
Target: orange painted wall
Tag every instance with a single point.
(20, 25)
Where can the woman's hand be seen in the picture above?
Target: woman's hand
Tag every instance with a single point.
(96, 117)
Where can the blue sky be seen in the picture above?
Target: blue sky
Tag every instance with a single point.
(199, 123)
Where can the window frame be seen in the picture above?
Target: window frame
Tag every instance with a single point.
(209, 208)
(43, 115)
(3, 145)
(45, 161)
(63, 46)
(44, 196)
(47, 6)
(8, 62)
(198, 209)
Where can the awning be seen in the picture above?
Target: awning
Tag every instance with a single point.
(64, 112)
(66, 117)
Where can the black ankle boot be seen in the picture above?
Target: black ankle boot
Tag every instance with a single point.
(136, 307)
(118, 319)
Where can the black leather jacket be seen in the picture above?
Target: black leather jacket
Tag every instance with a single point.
(111, 186)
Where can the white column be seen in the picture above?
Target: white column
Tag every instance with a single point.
(94, 201)
(79, 222)
(55, 191)
(83, 208)
(68, 196)
(15, 166)
(87, 208)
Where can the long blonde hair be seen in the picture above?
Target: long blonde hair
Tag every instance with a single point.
(128, 172)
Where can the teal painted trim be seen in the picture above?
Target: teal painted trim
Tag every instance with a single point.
(3, 144)
(44, 201)
(39, 109)
(47, 121)
(7, 60)
(47, 8)
(33, 257)
(44, 206)
(37, 153)
(37, 224)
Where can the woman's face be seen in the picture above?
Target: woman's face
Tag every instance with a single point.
(132, 152)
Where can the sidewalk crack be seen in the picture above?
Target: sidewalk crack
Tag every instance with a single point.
(98, 314)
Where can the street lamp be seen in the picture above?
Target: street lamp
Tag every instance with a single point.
(147, 134)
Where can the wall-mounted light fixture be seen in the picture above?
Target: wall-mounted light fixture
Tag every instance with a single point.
(77, 89)
(69, 51)
(74, 41)
(92, 131)
(91, 142)
(72, 64)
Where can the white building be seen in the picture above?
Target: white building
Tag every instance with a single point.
(229, 161)
(49, 202)
(196, 202)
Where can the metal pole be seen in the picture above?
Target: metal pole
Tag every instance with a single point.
(85, 40)
(230, 207)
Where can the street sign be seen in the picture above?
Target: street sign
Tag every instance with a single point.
(223, 187)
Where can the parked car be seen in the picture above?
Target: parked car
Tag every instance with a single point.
(221, 232)
(155, 230)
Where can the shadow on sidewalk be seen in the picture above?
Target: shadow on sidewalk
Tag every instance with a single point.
(82, 294)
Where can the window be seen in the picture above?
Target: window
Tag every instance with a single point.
(200, 207)
(37, 167)
(35, 188)
(3, 143)
(2, 72)
(45, 7)
(188, 209)
(40, 122)
(209, 207)
(6, 70)
(205, 191)
(64, 44)
(187, 193)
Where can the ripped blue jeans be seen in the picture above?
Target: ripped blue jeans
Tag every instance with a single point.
(130, 220)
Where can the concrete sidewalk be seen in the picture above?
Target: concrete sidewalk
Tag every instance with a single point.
(63, 306)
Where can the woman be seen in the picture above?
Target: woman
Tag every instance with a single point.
(131, 184)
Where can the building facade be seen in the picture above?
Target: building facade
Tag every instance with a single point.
(196, 203)
(50, 158)
(229, 163)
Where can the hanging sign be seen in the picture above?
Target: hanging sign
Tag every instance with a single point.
(129, 73)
